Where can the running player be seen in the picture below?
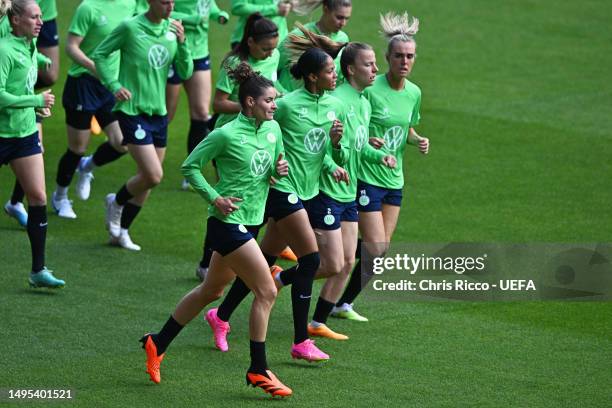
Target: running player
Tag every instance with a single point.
(395, 105)
(333, 212)
(334, 17)
(258, 49)
(19, 143)
(48, 43)
(306, 117)
(275, 10)
(195, 15)
(148, 44)
(84, 96)
(245, 150)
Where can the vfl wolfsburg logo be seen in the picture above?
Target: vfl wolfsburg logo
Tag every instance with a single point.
(393, 137)
(260, 163)
(203, 7)
(314, 140)
(158, 56)
(329, 219)
(140, 133)
(364, 200)
(31, 80)
(362, 137)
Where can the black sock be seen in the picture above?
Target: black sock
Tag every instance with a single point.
(123, 195)
(130, 211)
(301, 291)
(66, 168)
(322, 310)
(287, 277)
(234, 297)
(105, 153)
(358, 249)
(165, 336)
(197, 132)
(258, 357)
(270, 259)
(18, 194)
(213, 121)
(207, 252)
(37, 232)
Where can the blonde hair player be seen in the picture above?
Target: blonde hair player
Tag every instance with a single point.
(395, 103)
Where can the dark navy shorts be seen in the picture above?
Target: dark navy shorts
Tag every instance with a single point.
(48, 36)
(371, 198)
(280, 204)
(143, 129)
(200, 64)
(226, 238)
(326, 213)
(12, 148)
(85, 96)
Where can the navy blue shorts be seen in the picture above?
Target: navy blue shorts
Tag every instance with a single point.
(326, 213)
(371, 198)
(85, 96)
(12, 148)
(200, 64)
(48, 36)
(143, 129)
(280, 204)
(226, 237)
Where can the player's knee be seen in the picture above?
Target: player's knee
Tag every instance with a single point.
(308, 264)
(153, 178)
(37, 197)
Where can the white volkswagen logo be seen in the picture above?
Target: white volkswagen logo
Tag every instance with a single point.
(260, 163)
(393, 137)
(314, 140)
(31, 80)
(362, 137)
(158, 56)
(203, 7)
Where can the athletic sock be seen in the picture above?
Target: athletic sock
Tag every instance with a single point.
(18, 194)
(165, 336)
(270, 259)
(197, 132)
(123, 195)
(61, 192)
(322, 310)
(234, 297)
(301, 292)
(66, 168)
(37, 233)
(206, 252)
(287, 277)
(130, 211)
(259, 364)
(105, 153)
(362, 273)
(358, 249)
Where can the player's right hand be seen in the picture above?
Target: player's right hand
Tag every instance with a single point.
(377, 142)
(226, 204)
(123, 94)
(48, 99)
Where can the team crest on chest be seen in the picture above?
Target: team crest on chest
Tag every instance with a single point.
(159, 56)
(261, 162)
(314, 140)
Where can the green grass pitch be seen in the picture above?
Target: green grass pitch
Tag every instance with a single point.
(516, 102)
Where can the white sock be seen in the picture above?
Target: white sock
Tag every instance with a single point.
(278, 279)
(88, 164)
(61, 192)
(315, 324)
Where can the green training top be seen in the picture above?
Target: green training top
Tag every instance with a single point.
(147, 51)
(194, 15)
(94, 20)
(393, 114)
(284, 76)
(355, 138)
(246, 159)
(266, 67)
(305, 120)
(48, 8)
(5, 27)
(268, 8)
(18, 74)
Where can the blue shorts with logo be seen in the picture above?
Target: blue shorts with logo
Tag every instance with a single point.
(280, 204)
(12, 148)
(326, 213)
(227, 237)
(371, 198)
(143, 129)
(48, 36)
(85, 96)
(200, 64)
